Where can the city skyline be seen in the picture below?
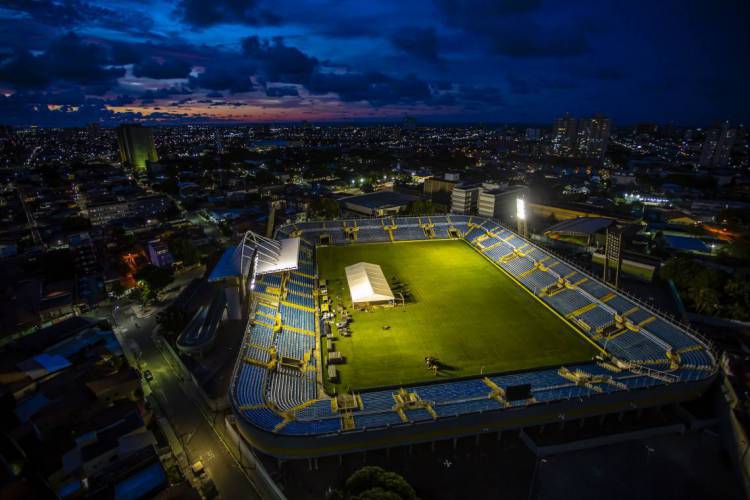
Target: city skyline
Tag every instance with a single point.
(109, 62)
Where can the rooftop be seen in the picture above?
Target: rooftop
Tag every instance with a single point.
(379, 199)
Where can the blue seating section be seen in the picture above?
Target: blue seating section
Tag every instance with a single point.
(261, 335)
(297, 317)
(287, 388)
(372, 235)
(381, 400)
(409, 233)
(538, 280)
(319, 409)
(300, 299)
(249, 389)
(372, 420)
(293, 344)
(307, 267)
(295, 285)
(567, 301)
(474, 232)
(271, 280)
(263, 418)
(634, 346)
(597, 318)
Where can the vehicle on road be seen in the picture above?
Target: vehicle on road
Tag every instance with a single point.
(148, 375)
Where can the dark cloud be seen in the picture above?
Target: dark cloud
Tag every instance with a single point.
(376, 88)
(282, 91)
(202, 13)
(468, 12)
(232, 78)
(162, 68)
(71, 108)
(73, 13)
(532, 59)
(510, 28)
(150, 96)
(125, 53)
(24, 71)
(530, 41)
(68, 59)
(71, 59)
(279, 62)
(480, 96)
(421, 43)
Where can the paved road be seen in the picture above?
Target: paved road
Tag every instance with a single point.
(201, 440)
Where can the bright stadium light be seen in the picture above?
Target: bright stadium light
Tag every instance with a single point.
(521, 208)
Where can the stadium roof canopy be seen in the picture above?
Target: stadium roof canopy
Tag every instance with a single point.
(367, 283)
(377, 202)
(581, 226)
(273, 256)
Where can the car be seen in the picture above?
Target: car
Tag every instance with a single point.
(148, 375)
(198, 468)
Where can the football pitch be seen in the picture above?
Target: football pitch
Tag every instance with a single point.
(464, 311)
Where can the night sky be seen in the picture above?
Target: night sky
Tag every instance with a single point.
(65, 63)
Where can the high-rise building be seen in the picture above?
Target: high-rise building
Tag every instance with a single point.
(582, 138)
(593, 137)
(136, 145)
(717, 146)
(564, 135)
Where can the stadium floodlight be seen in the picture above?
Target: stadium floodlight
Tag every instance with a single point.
(521, 208)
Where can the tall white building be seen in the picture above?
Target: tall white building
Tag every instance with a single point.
(464, 198)
(500, 202)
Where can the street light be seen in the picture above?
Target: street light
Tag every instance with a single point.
(521, 208)
(521, 217)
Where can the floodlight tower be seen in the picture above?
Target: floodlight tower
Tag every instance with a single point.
(613, 256)
(523, 229)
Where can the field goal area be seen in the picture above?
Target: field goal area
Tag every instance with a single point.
(457, 315)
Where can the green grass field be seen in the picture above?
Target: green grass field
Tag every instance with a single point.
(465, 312)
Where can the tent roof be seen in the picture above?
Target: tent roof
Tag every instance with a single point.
(367, 283)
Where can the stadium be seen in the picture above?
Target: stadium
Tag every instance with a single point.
(374, 333)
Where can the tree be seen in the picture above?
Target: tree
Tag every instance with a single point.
(183, 250)
(141, 294)
(156, 278)
(372, 482)
(420, 207)
(740, 248)
(172, 320)
(706, 300)
(326, 208)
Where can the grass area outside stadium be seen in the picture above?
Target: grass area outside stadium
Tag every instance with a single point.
(465, 312)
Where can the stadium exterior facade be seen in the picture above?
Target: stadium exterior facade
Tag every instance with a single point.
(646, 359)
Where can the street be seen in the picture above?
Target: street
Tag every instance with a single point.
(202, 438)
